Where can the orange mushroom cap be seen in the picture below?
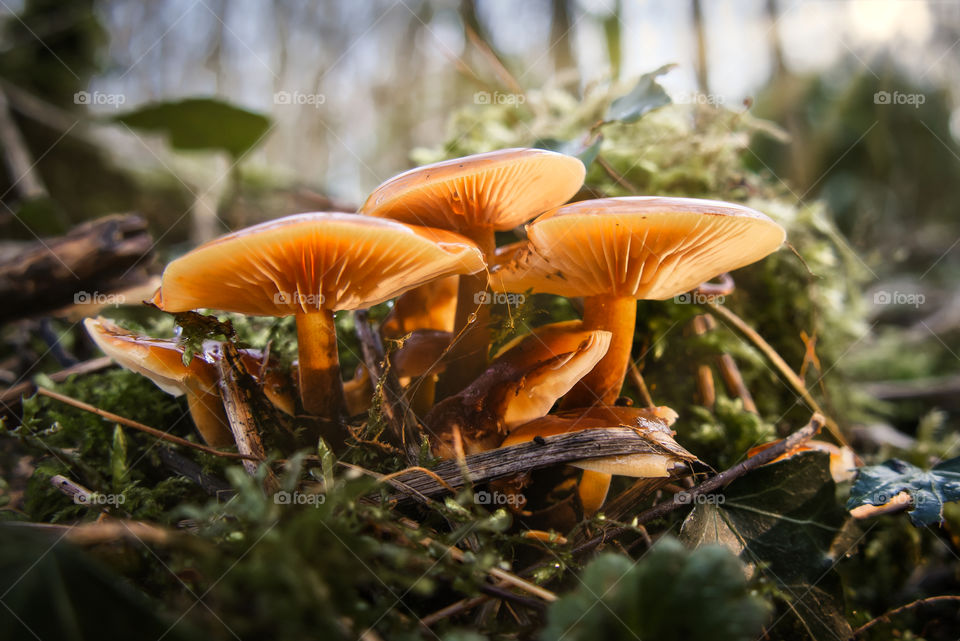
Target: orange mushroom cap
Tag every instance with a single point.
(499, 189)
(308, 262)
(639, 247)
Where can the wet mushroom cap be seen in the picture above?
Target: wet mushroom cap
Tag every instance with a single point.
(638, 247)
(304, 263)
(499, 189)
(158, 359)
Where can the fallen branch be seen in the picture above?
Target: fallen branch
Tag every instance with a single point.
(516, 459)
(152, 431)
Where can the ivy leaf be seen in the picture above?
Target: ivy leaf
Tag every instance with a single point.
(781, 520)
(201, 124)
(672, 593)
(586, 153)
(877, 484)
(646, 96)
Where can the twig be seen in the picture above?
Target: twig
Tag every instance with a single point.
(620, 180)
(17, 155)
(183, 466)
(506, 577)
(758, 341)
(239, 414)
(399, 417)
(640, 384)
(11, 396)
(660, 510)
(116, 418)
(734, 382)
(462, 605)
(416, 468)
(74, 490)
(903, 608)
(523, 457)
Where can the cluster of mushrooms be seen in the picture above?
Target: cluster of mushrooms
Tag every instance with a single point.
(426, 238)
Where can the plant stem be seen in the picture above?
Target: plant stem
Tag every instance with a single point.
(616, 314)
(321, 389)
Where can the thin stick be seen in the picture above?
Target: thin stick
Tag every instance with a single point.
(116, 418)
(903, 608)
(639, 383)
(417, 468)
(454, 608)
(400, 419)
(512, 579)
(780, 364)
(10, 397)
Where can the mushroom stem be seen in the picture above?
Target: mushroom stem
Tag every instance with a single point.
(616, 314)
(592, 490)
(208, 415)
(321, 389)
(467, 357)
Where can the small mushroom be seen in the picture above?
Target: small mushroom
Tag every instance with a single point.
(477, 196)
(663, 456)
(311, 265)
(162, 362)
(614, 251)
(521, 384)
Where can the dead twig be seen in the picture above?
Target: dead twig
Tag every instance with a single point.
(781, 365)
(400, 419)
(152, 431)
(11, 397)
(948, 598)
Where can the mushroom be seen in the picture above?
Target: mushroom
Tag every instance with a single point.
(429, 307)
(614, 251)
(312, 265)
(477, 196)
(521, 384)
(664, 454)
(161, 361)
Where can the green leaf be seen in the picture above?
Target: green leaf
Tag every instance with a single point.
(118, 460)
(672, 593)
(201, 124)
(781, 520)
(586, 153)
(646, 96)
(877, 484)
